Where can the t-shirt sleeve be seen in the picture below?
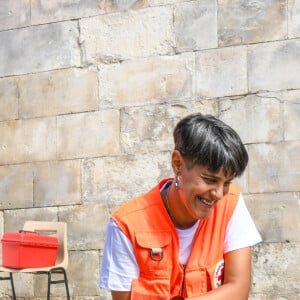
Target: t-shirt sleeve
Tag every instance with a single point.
(118, 266)
(241, 231)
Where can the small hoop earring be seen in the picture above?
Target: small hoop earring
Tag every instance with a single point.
(177, 181)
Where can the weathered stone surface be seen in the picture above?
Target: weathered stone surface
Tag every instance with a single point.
(132, 34)
(23, 285)
(116, 5)
(292, 120)
(274, 66)
(27, 140)
(195, 25)
(256, 119)
(14, 14)
(274, 296)
(43, 11)
(116, 180)
(221, 72)
(164, 2)
(145, 80)
(150, 129)
(16, 186)
(242, 182)
(8, 99)
(244, 21)
(57, 183)
(291, 111)
(276, 215)
(84, 270)
(294, 18)
(88, 134)
(39, 48)
(276, 269)
(274, 167)
(86, 224)
(83, 273)
(58, 92)
(15, 219)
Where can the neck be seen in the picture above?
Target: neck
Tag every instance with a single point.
(171, 203)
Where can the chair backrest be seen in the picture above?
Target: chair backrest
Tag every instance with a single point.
(57, 228)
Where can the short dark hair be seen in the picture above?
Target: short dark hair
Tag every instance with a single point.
(206, 140)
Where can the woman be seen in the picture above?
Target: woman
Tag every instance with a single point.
(189, 237)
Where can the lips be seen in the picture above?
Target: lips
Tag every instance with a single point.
(206, 202)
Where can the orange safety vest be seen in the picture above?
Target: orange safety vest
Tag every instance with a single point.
(146, 223)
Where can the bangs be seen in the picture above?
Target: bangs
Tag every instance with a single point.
(214, 147)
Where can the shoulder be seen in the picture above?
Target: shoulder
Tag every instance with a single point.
(146, 211)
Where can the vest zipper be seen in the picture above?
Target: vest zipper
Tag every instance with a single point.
(183, 280)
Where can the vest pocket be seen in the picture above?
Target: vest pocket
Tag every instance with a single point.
(153, 254)
(216, 273)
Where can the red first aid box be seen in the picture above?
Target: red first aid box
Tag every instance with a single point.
(26, 249)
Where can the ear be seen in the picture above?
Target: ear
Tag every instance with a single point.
(177, 161)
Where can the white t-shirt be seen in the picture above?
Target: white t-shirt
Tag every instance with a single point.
(119, 265)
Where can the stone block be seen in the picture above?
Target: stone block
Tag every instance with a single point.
(276, 269)
(274, 167)
(221, 72)
(16, 186)
(274, 296)
(241, 22)
(83, 273)
(27, 140)
(276, 215)
(291, 111)
(294, 18)
(43, 11)
(57, 183)
(114, 180)
(242, 182)
(86, 225)
(8, 99)
(58, 92)
(23, 286)
(15, 219)
(195, 25)
(39, 48)
(274, 66)
(256, 118)
(121, 5)
(146, 80)
(150, 129)
(292, 120)
(138, 33)
(14, 14)
(88, 134)
(164, 2)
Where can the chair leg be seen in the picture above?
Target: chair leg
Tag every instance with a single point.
(49, 285)
(64, 280)
(66, 284)
(12, 286)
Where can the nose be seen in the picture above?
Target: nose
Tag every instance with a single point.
(217, 192)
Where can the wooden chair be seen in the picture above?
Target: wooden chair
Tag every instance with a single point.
(60, 230)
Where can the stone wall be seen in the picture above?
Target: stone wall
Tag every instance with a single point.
(91, 90)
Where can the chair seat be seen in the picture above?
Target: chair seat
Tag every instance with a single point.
(60, 230)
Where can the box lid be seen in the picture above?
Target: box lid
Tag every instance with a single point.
(30, 239)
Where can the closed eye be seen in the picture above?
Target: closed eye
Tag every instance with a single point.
(209, 180)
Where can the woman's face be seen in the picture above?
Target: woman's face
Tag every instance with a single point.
(200, 189)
